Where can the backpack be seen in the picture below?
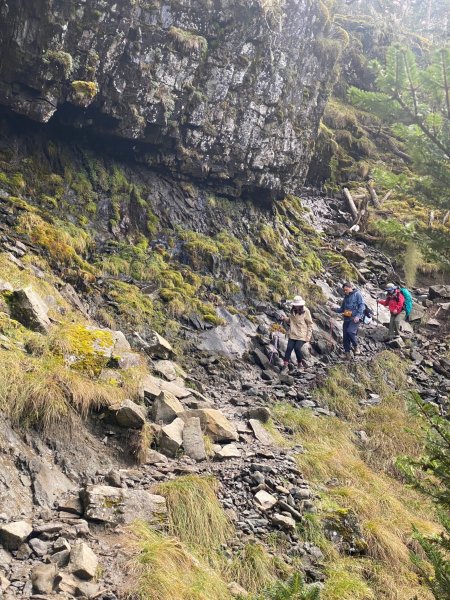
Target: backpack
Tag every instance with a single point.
(408, 300)
(367, 315)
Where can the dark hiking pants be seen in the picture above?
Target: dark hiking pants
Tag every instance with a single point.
(350, 333)
(295, 345)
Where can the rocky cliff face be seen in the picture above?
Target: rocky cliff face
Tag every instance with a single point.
(219, 90)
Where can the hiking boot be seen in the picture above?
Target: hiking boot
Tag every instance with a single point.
(347, 356)
(356, 350)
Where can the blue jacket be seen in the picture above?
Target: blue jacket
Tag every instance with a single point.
(354, 302)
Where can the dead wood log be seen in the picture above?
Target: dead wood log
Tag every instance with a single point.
(350, 202)
(373, 195)
(386, 196)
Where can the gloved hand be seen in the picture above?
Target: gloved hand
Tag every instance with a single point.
(355, 319)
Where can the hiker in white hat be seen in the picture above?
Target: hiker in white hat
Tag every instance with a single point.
(300, 329)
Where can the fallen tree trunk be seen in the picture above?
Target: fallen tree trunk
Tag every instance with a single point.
(350, 202)
(373, 195)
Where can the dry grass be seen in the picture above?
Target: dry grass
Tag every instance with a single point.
(43, 391)
(195, 514)
(161, 568)
(253, 568)
(361, 479)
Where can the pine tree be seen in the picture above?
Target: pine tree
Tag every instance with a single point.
(414, 99)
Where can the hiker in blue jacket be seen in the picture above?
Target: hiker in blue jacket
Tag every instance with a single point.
(352, 309)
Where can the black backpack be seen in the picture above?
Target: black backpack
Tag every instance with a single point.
(368, 313)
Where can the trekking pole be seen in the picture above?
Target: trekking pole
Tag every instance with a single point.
(377, 311)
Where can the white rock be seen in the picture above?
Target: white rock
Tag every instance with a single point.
(264, 500)
(229, 451)
(13, 534)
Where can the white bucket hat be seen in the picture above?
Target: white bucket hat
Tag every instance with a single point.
(298, 301)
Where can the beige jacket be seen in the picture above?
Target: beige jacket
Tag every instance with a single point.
(301, 326)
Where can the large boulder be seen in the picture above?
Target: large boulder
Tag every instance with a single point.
(83, 561)
(354, 253)
(158, 346)
(438, 292)
(151, 387)
(169, 370)
(166, 408)
(29, 308)
(171, 437)
(12, 535)
(214, 423)
(114, 505)
(193, 442)
(130, 415)
(43, 578)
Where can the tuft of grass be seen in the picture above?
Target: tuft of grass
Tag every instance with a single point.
(43, 391)
(161, 567)
(345, 581)
(141, 442)
(205, 529)
(253, 568)
(187, 40)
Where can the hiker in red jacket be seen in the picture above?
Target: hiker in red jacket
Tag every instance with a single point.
(395, 301)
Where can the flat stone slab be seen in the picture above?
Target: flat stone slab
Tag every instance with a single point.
(114, 505)
(260, 433)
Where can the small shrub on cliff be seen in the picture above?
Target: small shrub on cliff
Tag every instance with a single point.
(187, 40)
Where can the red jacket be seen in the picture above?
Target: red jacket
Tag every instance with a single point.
(395, 302)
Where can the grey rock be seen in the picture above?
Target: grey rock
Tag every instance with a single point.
(439, 291)
(260, 433)
(130, 415)
(39, 547)
(354, 252)
(264, 500)
(260, 413)
(168, 369)
(171, 437)
(214, 423)
(118, 505)
(13, 534)
(43, 578)
(193, 442)
(284, 521)
(151, 387)
(396, 343)
(83, 561)
(156, 345)
(28, 308)
(153, 457)
(166, 408)
(61, 558)
(5, 558)
(228, 451)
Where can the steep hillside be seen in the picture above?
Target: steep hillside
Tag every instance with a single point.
(152, 225)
